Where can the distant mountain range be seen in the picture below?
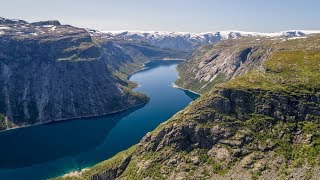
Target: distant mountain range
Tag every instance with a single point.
(189, 41)
(172, 40)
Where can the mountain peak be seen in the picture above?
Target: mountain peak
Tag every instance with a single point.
(45, 23)
(11, 21)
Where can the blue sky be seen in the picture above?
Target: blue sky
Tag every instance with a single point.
(171, 15)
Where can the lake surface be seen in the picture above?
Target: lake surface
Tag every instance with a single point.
(50, 150)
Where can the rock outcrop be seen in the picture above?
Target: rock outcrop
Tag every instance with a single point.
(214, 64)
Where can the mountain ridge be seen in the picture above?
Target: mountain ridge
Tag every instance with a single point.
(191, 41)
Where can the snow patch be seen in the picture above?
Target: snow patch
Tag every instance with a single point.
(4, 27)
(48, 26)
(223, 34)
(76, 173)
(301, 37)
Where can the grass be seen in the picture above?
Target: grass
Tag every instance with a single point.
(286, 71)
(3, 124)
(257, 122)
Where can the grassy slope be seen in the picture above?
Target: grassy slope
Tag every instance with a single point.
(287, 71)
(188, 71)
(277, 147)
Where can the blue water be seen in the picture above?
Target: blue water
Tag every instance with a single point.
(50, 150)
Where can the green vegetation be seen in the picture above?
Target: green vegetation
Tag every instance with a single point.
(5, 124)
(286, 71)
(101, 167)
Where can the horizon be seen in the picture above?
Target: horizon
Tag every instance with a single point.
(234, 30)
(171, 16)
(186, 32)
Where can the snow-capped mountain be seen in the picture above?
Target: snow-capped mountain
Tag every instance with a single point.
(187, 41)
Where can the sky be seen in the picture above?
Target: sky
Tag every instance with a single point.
(171, 15)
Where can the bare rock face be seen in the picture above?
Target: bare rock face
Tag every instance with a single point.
(53, 72)
(46, 23)
(214, 64)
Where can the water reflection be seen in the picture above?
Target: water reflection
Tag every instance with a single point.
(192, 95)
(53, 141)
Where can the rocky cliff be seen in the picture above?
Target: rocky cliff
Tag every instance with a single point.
(262, 124)
(52, 72)
(212, 64)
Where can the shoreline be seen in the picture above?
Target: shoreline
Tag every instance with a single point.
(173, 84)
(178, 87)
(144, 67)
(76, 118)
(169, 59)
(134, 72)
(92, 116)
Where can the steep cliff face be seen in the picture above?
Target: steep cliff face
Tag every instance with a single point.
(53, 72)
(218, 63)
(263, 124)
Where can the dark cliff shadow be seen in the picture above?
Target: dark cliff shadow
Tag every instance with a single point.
(42, 143)
(192, 95)
(155, 63)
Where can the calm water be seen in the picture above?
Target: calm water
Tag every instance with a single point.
(50, 150)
